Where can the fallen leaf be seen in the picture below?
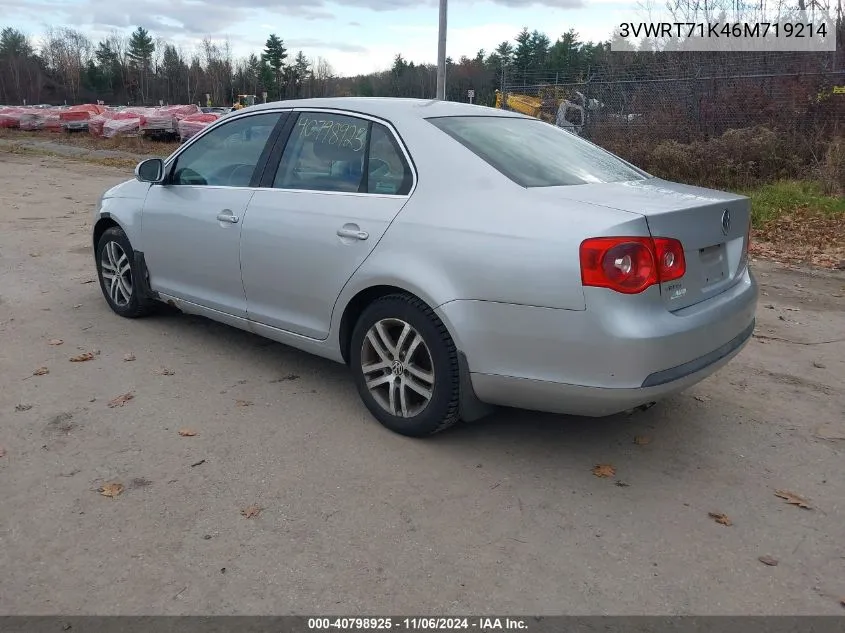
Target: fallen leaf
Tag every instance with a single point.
(642, 440)
(702, 398)
(120, 400)
(88, 281)
(77, 306)
(243, 403)
(41, 371)
(794, 499)
(819, 365)
(81, 358)
(604, 470)
(55, 341)
(164, 372)
(128, 358)
(831, 431)
(768, 560)
(33, 254)
(187, 432)
(284, 378)
(251, 511)
(621, 483)
(111, 490)
(2, 452)
(721, 519)
(23, 407)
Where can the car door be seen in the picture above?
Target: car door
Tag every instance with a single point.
(340, 181)
(191, 224)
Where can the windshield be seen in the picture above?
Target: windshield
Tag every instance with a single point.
(536, 154)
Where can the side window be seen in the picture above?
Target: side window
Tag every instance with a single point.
(325, 152)
(388, 170)
(227, 155)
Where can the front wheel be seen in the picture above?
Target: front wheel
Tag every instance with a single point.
(118, 273)
(406, 366)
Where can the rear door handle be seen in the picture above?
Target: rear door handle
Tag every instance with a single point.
(353, 234)
(228, 216)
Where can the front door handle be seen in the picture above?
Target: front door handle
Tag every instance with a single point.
(228, 216)
(354, 234)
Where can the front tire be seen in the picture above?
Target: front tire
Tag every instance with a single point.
(405, 366)
(118, 273)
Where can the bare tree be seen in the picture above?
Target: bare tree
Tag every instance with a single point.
(322, 77)
(66, 52)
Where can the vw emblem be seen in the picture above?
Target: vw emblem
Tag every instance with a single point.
(726, 222)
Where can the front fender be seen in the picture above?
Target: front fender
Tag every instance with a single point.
(124, 209)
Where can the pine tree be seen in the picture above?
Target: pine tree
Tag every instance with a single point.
(141, 48)
(274, 57)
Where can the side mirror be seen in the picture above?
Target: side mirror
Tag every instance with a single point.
(150, 170)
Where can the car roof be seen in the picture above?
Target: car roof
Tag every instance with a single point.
(390, 108)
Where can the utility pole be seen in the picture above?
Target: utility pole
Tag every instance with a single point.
(441, 53)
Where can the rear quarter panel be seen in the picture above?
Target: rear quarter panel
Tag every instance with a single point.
(470, 233)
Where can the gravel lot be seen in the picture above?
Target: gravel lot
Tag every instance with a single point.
(504, 515)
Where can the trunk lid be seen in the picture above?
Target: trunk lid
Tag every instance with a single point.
(712, 226)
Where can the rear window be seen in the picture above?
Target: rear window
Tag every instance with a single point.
(536, 154)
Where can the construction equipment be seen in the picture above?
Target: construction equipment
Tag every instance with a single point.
(550, 105)
(244, 101)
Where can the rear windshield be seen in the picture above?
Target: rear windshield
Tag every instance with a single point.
(533, 153)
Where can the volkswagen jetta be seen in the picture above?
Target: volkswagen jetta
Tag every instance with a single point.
(456, 257)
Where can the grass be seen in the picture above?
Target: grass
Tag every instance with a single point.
(119, 163)
(133, 144)
(796, 222)
(773, 201)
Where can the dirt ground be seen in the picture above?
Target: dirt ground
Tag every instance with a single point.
(504, 515)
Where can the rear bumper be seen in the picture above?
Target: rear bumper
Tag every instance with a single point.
(621, 352)
(556, 397)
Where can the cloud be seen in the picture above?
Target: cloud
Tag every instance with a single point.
(209, 16)
(309, 42)
(398, 5)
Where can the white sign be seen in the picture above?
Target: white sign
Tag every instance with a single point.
(471, 93)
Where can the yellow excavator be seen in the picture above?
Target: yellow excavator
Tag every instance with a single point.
(544, 106)
(550, 105)
(244, 101)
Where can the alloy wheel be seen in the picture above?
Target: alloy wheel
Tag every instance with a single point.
(117, 274)
(397, 367)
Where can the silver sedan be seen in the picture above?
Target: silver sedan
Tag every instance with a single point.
(456, 257)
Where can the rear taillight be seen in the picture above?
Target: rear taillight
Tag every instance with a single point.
(630, 264)
(670, 259)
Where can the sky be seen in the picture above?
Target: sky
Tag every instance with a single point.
(355, 36)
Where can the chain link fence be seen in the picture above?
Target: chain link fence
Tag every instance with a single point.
(737, 119)
(684, 97)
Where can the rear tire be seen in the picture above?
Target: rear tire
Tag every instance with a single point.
(405, 366)
(118, 273)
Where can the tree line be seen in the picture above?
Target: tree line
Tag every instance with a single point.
(139, 69)
(67, 67)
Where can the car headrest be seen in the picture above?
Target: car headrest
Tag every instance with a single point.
(326, 150)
